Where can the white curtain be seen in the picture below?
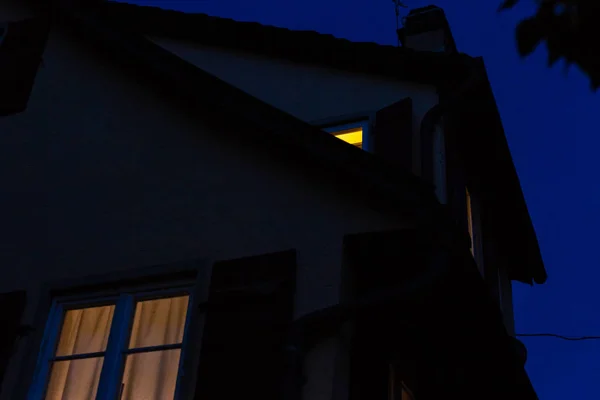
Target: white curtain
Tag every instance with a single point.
(147, 376)
(83, 331)
(153, 375)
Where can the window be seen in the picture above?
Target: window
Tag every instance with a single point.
(474, 227)
(356, 133)
(398, 389)
(122, 347)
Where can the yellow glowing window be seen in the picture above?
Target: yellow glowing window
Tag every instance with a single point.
(113, 350)
(353, 133)
(353, 136)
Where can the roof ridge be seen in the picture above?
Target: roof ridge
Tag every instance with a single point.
(301, 46)
(116, 6)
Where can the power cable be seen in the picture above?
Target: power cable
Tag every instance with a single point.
(554, 335)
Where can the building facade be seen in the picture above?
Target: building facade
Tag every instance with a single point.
(177, 207)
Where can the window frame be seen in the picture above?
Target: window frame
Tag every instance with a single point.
(366, 131)
(155, 281)
(348, 121)
(117, 347)
(474, 225)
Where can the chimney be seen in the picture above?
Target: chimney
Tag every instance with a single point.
(427, 29)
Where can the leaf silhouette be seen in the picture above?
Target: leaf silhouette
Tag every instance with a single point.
(529, 35)
(570, 29)
(507, 4)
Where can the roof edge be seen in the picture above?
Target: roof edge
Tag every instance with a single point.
(393, 187)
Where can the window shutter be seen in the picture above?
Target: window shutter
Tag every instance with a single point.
(21, 46)
(378, 261)
(250, 308)
(392, 133)
(450, 339)
(12, 305)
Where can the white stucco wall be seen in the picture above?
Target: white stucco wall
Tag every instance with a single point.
(100, 175)
(308, 92)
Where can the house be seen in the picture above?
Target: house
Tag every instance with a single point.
(198, 208)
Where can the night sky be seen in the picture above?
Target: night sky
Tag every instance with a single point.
(548, 116)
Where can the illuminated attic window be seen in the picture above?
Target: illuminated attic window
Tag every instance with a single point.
(355, 133)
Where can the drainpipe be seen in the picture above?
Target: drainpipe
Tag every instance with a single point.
(433, 118)
(309, 329)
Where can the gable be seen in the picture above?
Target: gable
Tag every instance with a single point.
(308, 92)
(451, 72)
(123, 178)
(200, 92)
(118, 178)
(311, 93)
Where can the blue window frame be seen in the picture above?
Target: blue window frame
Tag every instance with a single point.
(356, 133)
(111, 347)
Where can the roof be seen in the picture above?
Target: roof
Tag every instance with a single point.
(486, 149)
(298, 46)
(189, 86)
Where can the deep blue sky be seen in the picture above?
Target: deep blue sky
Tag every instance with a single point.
(549, 118)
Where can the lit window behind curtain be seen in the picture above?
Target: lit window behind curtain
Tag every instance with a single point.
(153, 375)
(83, 331)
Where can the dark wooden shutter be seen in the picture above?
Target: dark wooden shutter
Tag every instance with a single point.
(12, 305)
(250, 308)
(392, 133)
(378, 261)
(449, 339)
(21, 46)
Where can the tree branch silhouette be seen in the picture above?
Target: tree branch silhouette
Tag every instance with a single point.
(569, 28)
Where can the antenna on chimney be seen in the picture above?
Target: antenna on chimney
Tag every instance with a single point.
(397, 5)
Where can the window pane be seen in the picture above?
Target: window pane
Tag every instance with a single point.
(85, 330)
(158, 322)
(150, 376)
(353, 136)
(406, 395)
(74, 379)
(397, 388)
